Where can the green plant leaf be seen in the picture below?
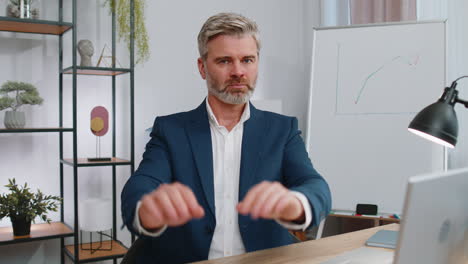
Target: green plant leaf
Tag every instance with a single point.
(122, 10)
(21, 202)
(16, 94)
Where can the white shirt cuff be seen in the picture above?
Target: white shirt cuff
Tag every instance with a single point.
(307, 211)
(140, 229)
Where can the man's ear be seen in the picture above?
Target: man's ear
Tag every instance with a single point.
(201, 68)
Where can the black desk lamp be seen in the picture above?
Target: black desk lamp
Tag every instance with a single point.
(438, 121)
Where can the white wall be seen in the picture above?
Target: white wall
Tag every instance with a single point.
(457, 63)
(167, 83)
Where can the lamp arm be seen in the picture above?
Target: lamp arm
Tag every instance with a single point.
(451, 94)
(458, 100)
(461, 77)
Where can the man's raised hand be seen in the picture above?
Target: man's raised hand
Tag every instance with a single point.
(170, 204)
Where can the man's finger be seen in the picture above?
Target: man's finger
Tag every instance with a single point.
(179, 204)
(150, 215)
(270, 190)
(245, 206)
(267, 210)
(281, 209)
(191, 201)
(165, 204)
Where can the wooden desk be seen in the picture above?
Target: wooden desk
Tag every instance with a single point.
(309, 252)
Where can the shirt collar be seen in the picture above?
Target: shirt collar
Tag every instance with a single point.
(244, 117)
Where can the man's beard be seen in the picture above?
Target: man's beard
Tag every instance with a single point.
(231, 97)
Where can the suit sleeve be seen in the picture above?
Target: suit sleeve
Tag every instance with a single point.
(154, 169)
(300, 175)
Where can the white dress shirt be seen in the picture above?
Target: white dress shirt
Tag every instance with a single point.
(227, 149)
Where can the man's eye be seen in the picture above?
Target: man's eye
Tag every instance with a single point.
(248, 60)
(223, 61)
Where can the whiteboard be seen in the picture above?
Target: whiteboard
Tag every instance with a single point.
(367, 84)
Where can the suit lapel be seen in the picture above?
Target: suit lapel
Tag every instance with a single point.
(252, 141)
(199, 134)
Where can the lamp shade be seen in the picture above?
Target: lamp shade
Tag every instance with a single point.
(437, 122)
(95, 215)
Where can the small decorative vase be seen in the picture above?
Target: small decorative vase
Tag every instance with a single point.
(23, 9)
(21, 226)
(14, 119)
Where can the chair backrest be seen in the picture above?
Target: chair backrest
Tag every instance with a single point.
(133, 251)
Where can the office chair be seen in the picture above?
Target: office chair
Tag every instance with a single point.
(133, 251)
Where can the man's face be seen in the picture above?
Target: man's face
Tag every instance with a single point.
(230, 68)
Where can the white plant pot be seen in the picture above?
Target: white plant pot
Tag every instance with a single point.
(14, 119)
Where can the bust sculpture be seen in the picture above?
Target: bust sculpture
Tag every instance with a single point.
(86, 50)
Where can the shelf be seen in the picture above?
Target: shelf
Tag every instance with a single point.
(35, 130)
(118, 251)
(83, 162)
(38, 232)
(22, 25)
(101, 71)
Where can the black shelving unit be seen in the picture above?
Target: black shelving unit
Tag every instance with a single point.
(99, 71)
(83, 162)
(34, 26)
(35, 130)
(38, 231)
(60, 229)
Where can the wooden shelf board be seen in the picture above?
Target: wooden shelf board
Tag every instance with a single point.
(38, 232)
(35, 130)
(83, 162)
(33, 26)
(118, 251)
(101, 71)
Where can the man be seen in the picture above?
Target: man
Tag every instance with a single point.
(184, 197)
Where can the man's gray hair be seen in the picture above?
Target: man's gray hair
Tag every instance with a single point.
(230, 24)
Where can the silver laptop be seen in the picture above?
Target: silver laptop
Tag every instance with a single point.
(434, 226)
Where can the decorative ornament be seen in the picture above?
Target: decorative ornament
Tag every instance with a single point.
(86, 50)
(99, 126)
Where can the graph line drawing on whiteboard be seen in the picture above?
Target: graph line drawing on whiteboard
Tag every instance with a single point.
(387, 80)
(405, 60)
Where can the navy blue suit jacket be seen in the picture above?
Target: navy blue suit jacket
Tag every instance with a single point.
(180, 150)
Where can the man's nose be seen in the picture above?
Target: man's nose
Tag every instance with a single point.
(237, 70)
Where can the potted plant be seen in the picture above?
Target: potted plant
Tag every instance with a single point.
(21, 94)
(122, 11)
(22, 206)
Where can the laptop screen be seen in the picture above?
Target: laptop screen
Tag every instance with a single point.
(435, 219)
